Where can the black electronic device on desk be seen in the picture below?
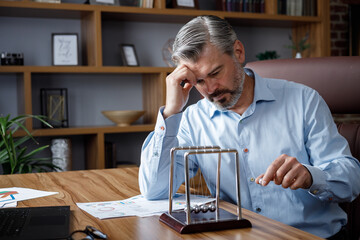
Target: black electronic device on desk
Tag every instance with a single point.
(35, 223)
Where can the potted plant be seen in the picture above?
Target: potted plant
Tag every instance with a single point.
(14, 157)
(299, 46)
(267, 55)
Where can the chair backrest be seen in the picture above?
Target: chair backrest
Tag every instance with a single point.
(337, 79)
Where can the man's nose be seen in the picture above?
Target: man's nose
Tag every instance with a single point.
(211, 85)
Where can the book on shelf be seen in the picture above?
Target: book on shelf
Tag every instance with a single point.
(310, 8)
(250, 6)
(290, 7)
(297, 7)
(146, 3)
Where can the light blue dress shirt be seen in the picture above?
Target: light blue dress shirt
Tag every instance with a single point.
(284, 118)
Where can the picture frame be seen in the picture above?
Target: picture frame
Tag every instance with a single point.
(65, 49)
(104, 2)
(189, 4)
(129, 55)
(54, 105)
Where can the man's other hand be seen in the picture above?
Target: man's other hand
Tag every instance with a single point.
(288, 172)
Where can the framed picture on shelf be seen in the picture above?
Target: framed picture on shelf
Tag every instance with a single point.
(129, 56)
(186, 4)
(65, 49)
(54, 105)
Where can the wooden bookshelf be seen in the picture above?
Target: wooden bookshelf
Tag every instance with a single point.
(153, 78)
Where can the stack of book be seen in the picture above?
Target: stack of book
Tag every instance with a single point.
(251, 6)
(297, 7)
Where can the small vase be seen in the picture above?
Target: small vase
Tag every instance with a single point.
(298, 55)
(61, 153)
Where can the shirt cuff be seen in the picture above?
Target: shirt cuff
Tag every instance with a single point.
(318, 187)
(168, 126)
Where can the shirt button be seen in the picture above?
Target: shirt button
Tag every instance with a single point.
(246, 150)
(252, 179)
(162, 128)
(258, 209)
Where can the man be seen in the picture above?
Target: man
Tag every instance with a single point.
(295, 167)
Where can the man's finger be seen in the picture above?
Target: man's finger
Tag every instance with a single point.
(258, 180)
(271, 170)
(284, 170)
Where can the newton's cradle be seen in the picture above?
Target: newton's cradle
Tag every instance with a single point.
(206, 217)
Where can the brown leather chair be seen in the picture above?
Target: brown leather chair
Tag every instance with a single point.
(337, 79)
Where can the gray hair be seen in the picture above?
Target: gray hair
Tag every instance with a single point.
(193, 37)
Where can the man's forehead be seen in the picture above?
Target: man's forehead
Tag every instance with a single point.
(209, 59)
(203, 68)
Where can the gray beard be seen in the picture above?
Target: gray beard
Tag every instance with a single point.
(235, 94)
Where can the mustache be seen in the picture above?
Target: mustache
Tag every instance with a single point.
(218, 92)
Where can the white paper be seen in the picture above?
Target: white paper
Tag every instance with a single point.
(9, 205)
(9, 196)
(138, 206)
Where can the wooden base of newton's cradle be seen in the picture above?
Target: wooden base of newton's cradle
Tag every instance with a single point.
(203, 222)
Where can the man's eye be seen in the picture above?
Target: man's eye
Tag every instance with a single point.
(200, 81)
(214, 74)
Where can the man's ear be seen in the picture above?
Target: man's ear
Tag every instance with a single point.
(239, 51)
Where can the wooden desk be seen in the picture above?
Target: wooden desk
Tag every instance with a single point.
(122, 183)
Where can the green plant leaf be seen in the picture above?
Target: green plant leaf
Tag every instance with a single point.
(299, 46)
(13, 157)
(35, 151)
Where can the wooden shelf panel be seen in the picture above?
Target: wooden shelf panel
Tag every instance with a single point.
(82, 69)
(43, 10)
(90, 130)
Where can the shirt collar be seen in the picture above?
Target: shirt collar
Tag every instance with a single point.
(261, 92)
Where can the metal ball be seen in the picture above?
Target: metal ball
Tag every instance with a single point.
(204, 208)
(196, 209)
(212, 207)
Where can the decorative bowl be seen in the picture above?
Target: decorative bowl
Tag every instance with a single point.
(123, 118)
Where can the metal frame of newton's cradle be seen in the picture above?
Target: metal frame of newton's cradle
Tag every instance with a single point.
(187, 221)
